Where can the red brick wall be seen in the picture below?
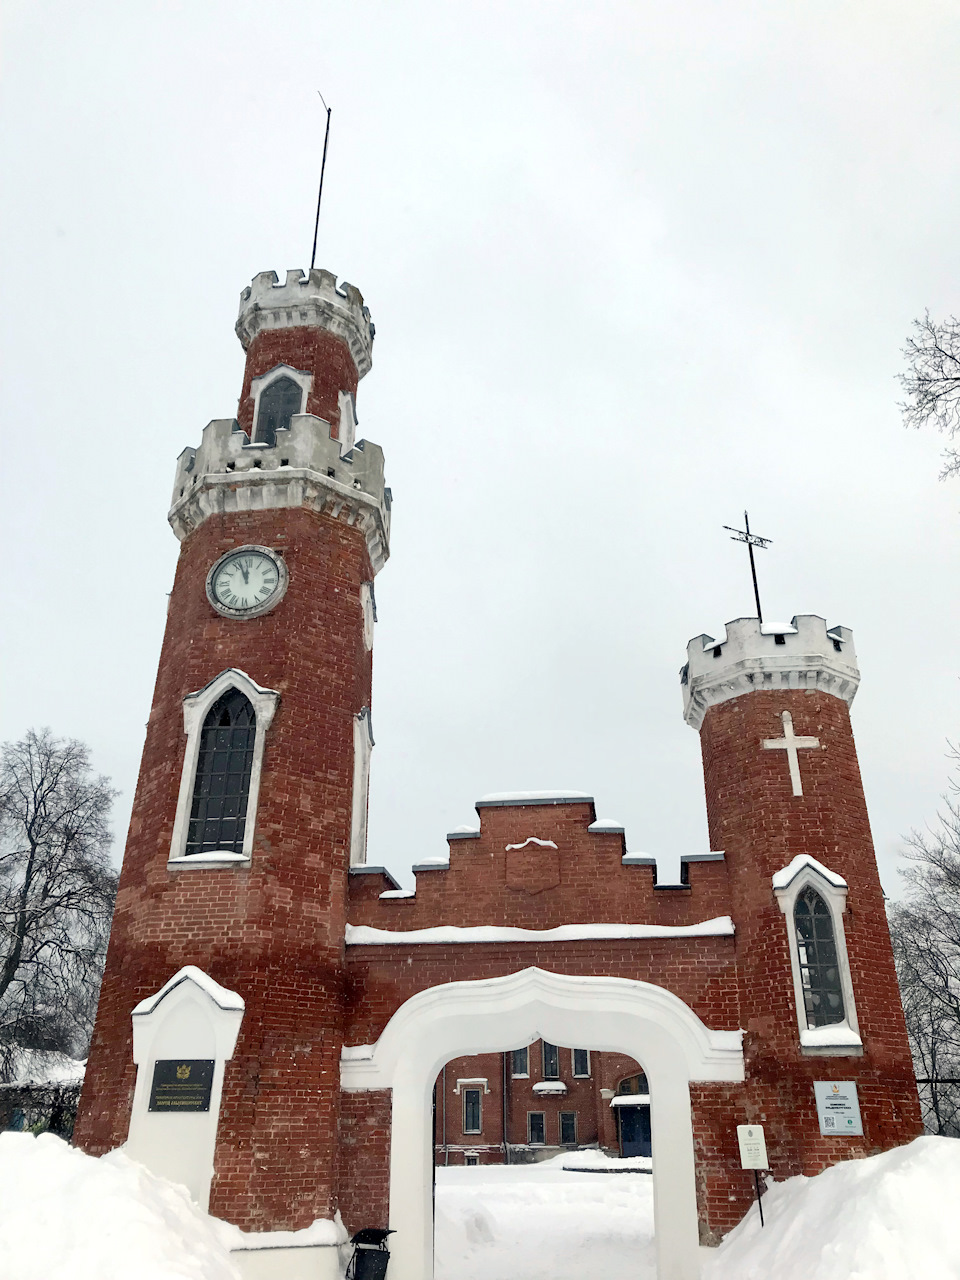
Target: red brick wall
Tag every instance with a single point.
(585, 877)
(364, 1159)
(272, 931)
(310, 351)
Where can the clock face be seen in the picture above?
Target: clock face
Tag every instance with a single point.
(246, 582)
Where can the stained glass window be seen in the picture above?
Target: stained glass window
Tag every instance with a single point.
(218, 815)
(819, 965)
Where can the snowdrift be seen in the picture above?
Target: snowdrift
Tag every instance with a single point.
(888, 1217)
(67, 1216)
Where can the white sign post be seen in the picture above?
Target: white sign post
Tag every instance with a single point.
(838, 1107)
(753, 1155)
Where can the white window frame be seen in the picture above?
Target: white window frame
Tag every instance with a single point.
(258, 385)
(520, 1075)
(577, 1075)
(838, 1039)
(479, 1092)
(195, 708)
(543, 1117)
(560, 1141)
(363, 745)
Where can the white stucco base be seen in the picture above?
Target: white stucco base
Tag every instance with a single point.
(191, 1016)
(311, 1262)
(613, 1014)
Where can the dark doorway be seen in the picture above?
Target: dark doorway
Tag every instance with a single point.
(635, 1131)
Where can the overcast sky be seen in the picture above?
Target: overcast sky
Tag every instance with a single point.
(634, 267)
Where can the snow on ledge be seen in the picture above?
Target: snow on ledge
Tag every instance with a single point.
(837, 1035)
(786, 877)
(549, 1087)
(365, 936)
(398, 893)
(533, 797)
(606, 824)
(544, 844)
(631, 1100)
(777, 629)
(357, 1053)
(216, 857)
(321, 1232)
(220, 996)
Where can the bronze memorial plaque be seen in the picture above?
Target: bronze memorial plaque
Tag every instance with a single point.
(182, 1084)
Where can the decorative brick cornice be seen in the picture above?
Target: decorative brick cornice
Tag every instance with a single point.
(313, 300)
(303, 469)
(752, 656)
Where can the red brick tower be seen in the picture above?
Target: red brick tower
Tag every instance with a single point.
(251, 801)
(817, 988)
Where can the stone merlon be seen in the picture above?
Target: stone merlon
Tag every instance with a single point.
(802, 654)
(305, 468)
(313, 300)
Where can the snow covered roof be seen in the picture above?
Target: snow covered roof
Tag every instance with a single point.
(630, 1100)
(220, 996)
(500, 798)
(365, 936)
(789, 873)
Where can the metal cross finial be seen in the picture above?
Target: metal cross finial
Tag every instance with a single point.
(752, 540)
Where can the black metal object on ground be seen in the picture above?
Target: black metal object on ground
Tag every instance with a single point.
(370, 1254)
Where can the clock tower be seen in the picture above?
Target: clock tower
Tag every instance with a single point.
(252, 796)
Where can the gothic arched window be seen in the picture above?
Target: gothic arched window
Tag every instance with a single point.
(819, 965)
(221, 787)
(278, 403)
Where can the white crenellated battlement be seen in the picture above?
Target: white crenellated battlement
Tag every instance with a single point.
(313, 299)
(305, 468)
(802, 654)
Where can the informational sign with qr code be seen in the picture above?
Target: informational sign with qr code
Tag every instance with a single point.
(838, 1108)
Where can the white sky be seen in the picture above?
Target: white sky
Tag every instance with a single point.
(634, 267)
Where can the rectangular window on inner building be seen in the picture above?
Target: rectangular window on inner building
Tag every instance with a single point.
(520, 1063)
(581, 1064)
(471, 1111)
(536, 1129)
(568, 1128)
(551, 1061)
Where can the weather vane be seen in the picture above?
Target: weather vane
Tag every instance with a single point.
(752, 540)
(323, 165)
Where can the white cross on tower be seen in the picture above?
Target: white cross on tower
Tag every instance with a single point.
(791, 744)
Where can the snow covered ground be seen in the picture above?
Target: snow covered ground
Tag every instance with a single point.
(67, 1216)
(544, 1222)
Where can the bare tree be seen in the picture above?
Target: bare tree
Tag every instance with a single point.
(56, 895)
(925, 928)
(932, 382)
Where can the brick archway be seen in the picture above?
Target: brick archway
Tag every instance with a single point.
(488, 1015)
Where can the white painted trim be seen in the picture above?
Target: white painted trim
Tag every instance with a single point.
(303, 380)
(620, 1015)
(347, 428)
(195, 708)
(362, 748)
(841, 1038)
(191, 1016)
(368, 604)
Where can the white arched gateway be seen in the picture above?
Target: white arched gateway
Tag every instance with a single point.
(490, 1015)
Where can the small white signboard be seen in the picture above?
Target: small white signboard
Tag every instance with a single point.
(753, 1147)
(838, 1107)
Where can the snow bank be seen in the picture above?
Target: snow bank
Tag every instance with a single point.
(888, 1217)
(67, 1216)
(46, 1067)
